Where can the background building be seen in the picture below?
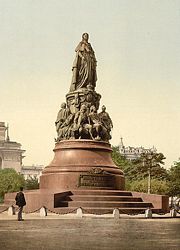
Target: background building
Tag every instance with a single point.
(133, 153)
(11, 154)
(33, 171)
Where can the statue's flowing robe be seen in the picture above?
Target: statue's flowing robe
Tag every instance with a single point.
(84, 67)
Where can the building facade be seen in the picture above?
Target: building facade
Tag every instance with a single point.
(33, 171)
(133, 153)
(11, 154)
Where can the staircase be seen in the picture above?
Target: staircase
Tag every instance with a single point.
(99, 202)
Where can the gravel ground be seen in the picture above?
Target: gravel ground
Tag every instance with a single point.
(88, 233)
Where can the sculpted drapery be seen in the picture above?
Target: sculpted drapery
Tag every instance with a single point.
(84, 66)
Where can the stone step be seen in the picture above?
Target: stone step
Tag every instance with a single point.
(104, 204)
(101, 192)
(3, 208)
(102, 198)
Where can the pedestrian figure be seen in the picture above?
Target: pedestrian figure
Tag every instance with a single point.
(20, 202)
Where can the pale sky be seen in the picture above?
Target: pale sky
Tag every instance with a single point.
(137, 46)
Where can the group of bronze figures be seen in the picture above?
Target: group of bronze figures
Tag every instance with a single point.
(84, 124)
(79, 119)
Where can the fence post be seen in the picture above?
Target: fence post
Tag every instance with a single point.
(116, 213)
(43, 212)
(11, 210)
(79, 212)
(173, 212)
(148, 213)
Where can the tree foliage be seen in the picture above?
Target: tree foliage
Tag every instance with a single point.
(157, 186)
(136, 172)
(174, 180)
(32, 183)
(146, 162)
(120, 160)
(10, 181)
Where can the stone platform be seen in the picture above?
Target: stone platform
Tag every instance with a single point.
(91, 201)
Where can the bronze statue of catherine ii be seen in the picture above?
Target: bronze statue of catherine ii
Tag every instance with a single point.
(84, 66)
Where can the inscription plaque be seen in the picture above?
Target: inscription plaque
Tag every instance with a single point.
(96, 180)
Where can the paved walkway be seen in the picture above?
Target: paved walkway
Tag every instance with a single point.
(67, 232)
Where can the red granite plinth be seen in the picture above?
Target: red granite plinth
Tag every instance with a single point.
(82, 174)
(75, 159)
(91, 201)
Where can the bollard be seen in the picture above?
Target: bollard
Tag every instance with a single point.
(43, 212)
(148, 213)
(116, 213)
(79, 212)
(173, 213)
(11, 210)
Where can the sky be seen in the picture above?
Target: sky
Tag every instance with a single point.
(137, 46)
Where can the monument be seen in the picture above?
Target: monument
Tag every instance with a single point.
(82, 173)
(82, 152)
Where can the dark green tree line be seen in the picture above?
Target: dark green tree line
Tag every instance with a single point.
(136, 172)
(174, 179)
(11, 181)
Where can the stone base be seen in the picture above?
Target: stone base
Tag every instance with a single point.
(82, 174)
(82, 164)
(91, 201)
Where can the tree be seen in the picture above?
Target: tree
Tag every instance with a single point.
(157, 186)
(10, 181)
(121, 161)
(150, 162)
(137, 171)
(32, 183)
(125, 165)
(174, 180)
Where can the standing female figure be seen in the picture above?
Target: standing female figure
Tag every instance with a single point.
(84, 66)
